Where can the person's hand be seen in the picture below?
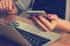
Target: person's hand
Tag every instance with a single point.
(10, 6)
(7, 4)
(45, 23)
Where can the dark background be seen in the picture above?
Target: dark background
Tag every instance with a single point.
(51, 6)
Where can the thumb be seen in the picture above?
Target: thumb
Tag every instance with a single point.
(52, 17)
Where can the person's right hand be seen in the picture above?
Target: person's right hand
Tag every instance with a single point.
(45, 23)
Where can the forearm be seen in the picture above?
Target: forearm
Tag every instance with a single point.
(63, 25)
(13, 35)
(17, 37)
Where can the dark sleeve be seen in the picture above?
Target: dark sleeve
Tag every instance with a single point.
(11, 33)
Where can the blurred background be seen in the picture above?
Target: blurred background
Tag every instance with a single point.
(50, 6)
(59, 7)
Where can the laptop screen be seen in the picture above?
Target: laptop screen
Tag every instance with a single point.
(51, 6)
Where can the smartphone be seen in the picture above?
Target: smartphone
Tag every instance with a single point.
(36, 12)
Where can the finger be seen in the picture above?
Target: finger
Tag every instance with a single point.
(0, 5)
(3, 4)
(13, 11)
(45, 22)
(6, 4)
(10, 2)
(52, 16)
(40, 24)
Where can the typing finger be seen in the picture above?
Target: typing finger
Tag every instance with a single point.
(0, 5)
(45, 21)
(40, 24)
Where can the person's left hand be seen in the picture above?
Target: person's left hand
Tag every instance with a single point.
(10, 6)
(7, 4)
